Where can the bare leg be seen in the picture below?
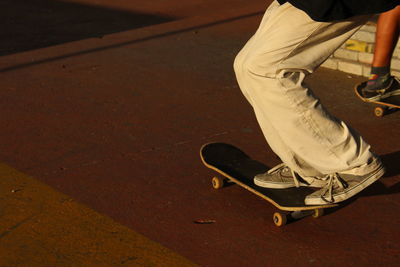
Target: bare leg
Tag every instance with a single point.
(381, 83)
(387, 35)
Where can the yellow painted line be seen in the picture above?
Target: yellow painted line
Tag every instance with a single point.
(359, 46)
(42, 227)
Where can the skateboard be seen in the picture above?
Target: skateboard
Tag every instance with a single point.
(383, 106)
(237, 167)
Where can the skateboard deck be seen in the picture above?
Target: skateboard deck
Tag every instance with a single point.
(237, 167)
(383, 106)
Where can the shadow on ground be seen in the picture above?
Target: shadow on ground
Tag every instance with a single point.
(33, 24)
(391, 162)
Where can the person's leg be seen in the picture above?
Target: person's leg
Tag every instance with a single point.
(271, 70)
(387, 35)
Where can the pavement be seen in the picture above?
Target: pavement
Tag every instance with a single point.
(104, 107)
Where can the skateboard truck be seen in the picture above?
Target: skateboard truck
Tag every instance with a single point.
(280, 218)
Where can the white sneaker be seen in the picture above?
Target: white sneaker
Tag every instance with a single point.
(340, 187)
(281, 177)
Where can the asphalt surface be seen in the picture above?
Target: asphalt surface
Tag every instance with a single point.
(112, 113)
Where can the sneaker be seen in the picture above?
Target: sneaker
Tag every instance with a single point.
(340, 187)
(281, 177)
(385, 89)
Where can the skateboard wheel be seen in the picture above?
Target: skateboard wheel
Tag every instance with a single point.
(217, 182)
(279, 219)
(379, 111)
(318, 213)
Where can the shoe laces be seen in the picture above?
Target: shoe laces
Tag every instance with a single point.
(333, 181)
(283, 167)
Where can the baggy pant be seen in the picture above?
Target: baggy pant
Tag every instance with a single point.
(270, 70)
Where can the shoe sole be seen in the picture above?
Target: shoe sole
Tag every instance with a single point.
(384, 96)
(277, 185)
(273, 185)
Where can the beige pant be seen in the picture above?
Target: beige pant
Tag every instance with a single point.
(270, 70)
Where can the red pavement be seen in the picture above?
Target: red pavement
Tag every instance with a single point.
(117, 122)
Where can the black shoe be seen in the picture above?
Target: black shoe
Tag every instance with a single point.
(379, 90)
